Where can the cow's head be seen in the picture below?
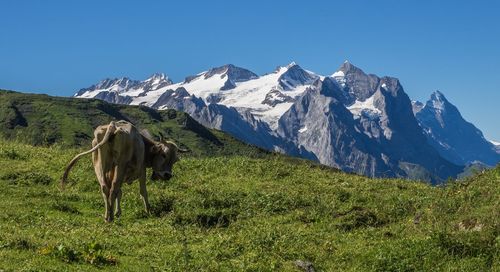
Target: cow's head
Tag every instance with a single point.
(164, 156)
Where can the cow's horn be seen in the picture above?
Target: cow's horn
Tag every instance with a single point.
(182, 150)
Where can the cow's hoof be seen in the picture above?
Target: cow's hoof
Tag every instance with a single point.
(118, 214)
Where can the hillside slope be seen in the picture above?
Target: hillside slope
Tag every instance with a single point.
(243, 214)
(45, 120)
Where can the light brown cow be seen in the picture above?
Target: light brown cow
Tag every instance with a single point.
(120, 153)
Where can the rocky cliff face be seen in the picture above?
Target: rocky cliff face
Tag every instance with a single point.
(364, 124)
(320, 123)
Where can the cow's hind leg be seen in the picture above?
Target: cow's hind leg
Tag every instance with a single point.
(143, 191)
(118, 206)
(116, 185)
(102, 179)
(105, 195)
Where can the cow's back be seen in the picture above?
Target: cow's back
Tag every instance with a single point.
(125, 147)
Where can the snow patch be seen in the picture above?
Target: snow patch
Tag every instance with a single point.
(367, 106)
(338, 74)
(438, 105)
(91, 94)
(304, 129)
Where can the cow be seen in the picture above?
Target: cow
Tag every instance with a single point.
(120, 153)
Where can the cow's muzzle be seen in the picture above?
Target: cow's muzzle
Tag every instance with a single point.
(161, 176)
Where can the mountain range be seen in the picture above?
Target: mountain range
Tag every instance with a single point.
(350, 120)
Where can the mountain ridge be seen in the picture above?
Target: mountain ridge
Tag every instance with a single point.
(256, 109)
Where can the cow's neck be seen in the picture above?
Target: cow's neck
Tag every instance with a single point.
(148, 154)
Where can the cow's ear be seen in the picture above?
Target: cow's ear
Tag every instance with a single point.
(155, 149)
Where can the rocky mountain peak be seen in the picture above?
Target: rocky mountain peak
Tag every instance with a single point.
(355, 83)
(158, 77)
(234, 73)
(456, 139)
(108, 82)
(438, 101)
(295, 76)
(348, 68)
(439, 106)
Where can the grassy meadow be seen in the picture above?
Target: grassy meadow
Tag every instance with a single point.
(240, 213)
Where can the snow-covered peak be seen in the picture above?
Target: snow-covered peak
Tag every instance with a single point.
(347, 72)
(437, 101)
(157, 77)
(232, 72)
(156, 81)
(117, 85)
(293, 75)
(348, 67)
(283, 68)
(438, 96)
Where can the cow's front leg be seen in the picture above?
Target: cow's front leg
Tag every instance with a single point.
(144, 192)
(118, 212)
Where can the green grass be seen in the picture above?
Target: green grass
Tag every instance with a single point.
(235, 213)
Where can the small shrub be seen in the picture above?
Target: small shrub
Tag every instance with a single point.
(92, 253)
(466, 244)
(357, 217)
(70, 197)
(27, 178)
(207, 218)
(38, 178)
(11, 176)
(20, 243)
(12, 154)
(343, 195)
(211, 219)
(61, 252)
(65, 207)
(163, 206)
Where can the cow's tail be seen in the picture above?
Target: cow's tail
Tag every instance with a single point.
(111, 129)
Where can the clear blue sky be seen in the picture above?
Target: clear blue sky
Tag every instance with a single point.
(58, 47)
